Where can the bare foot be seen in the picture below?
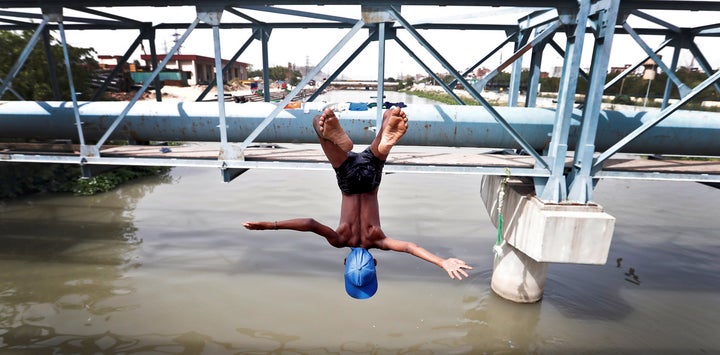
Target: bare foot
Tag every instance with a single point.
(394, 127)
(328, 126)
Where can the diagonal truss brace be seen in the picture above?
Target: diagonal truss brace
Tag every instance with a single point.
(555, 188)
(652, 123)
(340, 69)
(580, 179)
(448, 88)
(281, 106)
(232, 60)
(475, 95)
(96, 149)
(23, 56)
(637, 64)
(682, 88)
(539, 39)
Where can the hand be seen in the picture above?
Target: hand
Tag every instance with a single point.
(454, 268)
(259, 225)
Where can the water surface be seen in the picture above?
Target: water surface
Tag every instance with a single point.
(163, 265)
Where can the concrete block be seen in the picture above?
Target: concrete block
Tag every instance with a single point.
(559, 233)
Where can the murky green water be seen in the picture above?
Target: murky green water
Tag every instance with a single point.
(163, 265)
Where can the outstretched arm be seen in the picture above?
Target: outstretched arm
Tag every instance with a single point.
(453, 266)
(298, 224)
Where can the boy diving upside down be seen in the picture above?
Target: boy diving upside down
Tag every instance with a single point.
(358, 176)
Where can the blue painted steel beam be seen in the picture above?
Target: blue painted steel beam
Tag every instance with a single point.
(264, 39)
(561, 52)
(486, 57)
(94, 21)
(107, 15)
(656, 20)
(555, 188)
(654, 121)
(380, 75)
(683, 132)
(470, 89)
(269, 118)
(673, 68)
(637, 64)
(144, 32)
(580, 181)
(304, 14)
(535, 68)
(232, 61)
(23, 57)
(153, 75)
(340, 69)
(12, 91)
(73, 94)
(702, 61)
(698, 5)
(682, 88)
(520, 50)
(212, 16)
(521, 47)
(51, 65)
(448, 88)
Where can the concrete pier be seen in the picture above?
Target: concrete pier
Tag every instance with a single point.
(535, 233)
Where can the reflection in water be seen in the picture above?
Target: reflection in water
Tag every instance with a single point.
(38, 338)
(65, 254)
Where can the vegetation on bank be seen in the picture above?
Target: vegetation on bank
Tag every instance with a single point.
(442, 97)
(31, 83)
(632, 86)
(18, 179)
(278, 73)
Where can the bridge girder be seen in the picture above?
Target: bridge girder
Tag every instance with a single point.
(601, 20)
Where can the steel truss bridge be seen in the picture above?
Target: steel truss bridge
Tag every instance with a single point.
(566, 149)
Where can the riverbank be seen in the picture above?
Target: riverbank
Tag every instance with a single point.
(547, 100)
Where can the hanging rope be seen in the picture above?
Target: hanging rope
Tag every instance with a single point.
(497, 249)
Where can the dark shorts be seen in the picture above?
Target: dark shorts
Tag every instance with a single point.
(359, 173)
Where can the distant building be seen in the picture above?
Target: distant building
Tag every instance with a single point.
(618, 70)
(481, 72)
(108, 61)
(201, 69)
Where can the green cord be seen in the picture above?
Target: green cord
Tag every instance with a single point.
(499, 235)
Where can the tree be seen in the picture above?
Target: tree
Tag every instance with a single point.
(278, 73)
(32, 81)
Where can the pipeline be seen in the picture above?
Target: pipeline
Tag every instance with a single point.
(683, 133)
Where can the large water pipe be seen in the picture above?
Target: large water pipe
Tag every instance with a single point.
(683, 132)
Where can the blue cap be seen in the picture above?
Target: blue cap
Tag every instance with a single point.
(360, 277)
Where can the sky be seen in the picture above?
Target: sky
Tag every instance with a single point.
(309, 46)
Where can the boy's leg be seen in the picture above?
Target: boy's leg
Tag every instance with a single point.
(334, 141)
(393, 128)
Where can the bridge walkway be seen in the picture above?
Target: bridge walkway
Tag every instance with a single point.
(413, 159)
